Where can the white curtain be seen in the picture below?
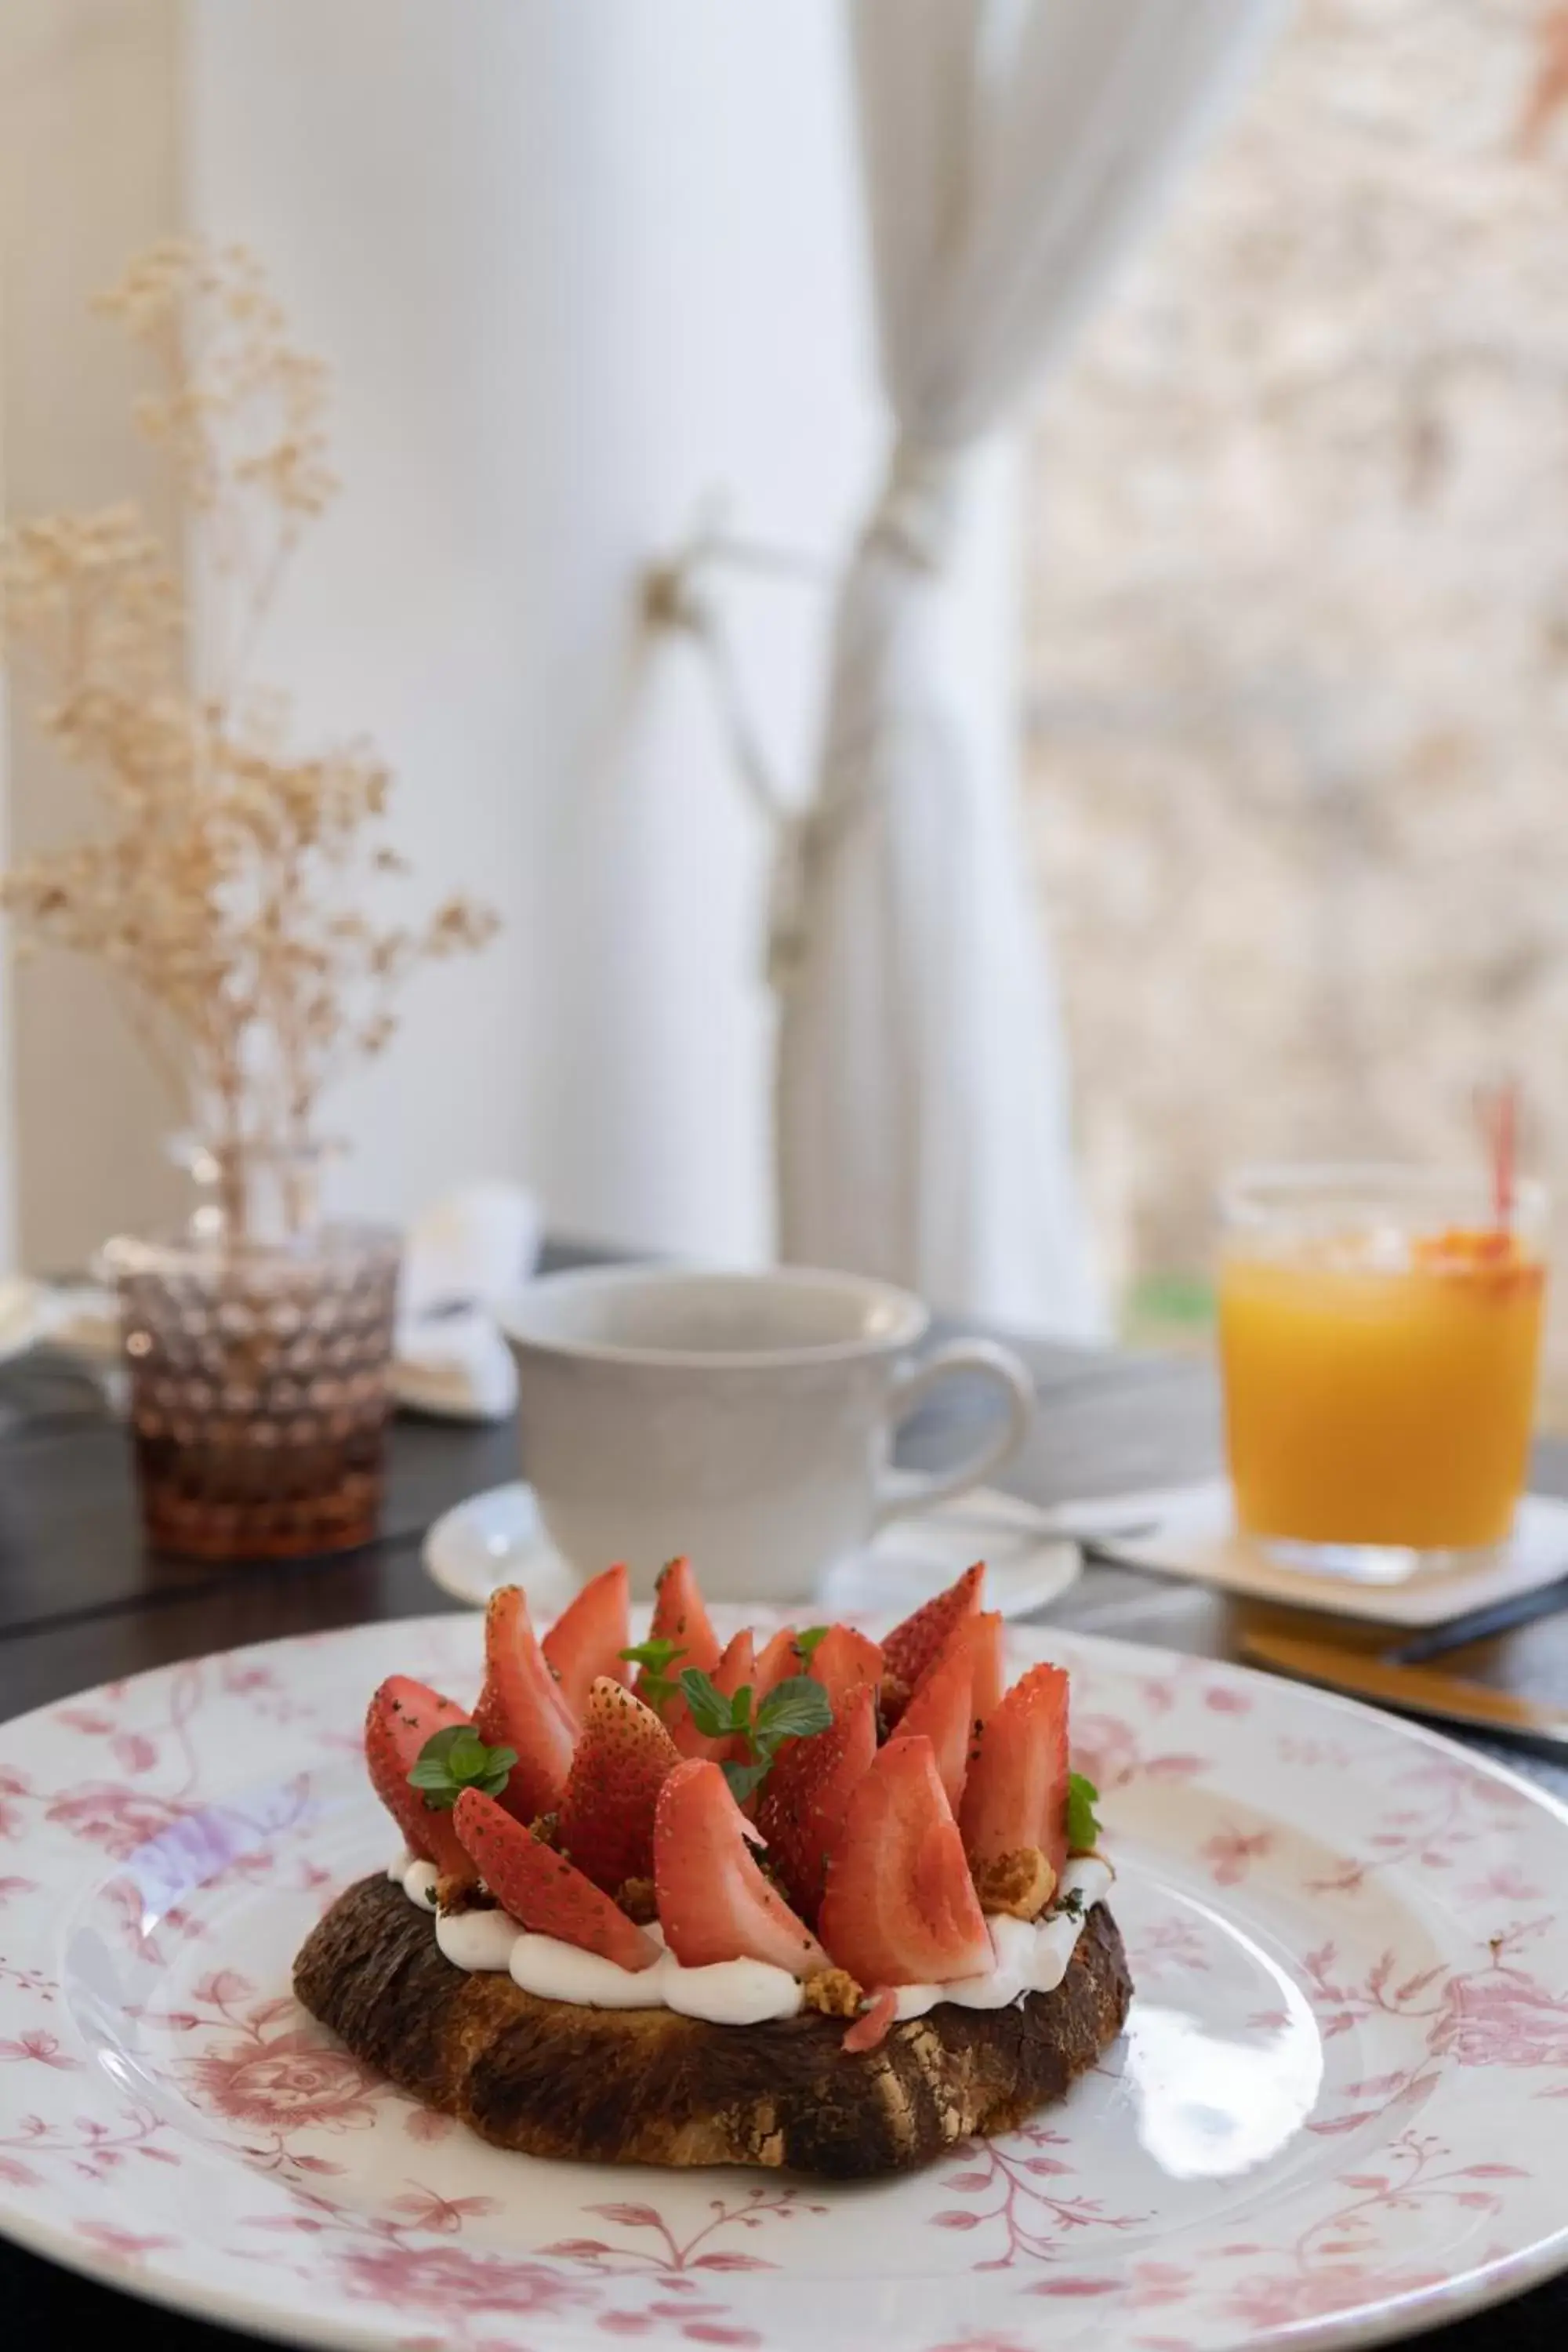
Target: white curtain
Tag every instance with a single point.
(1013, 150)
(576, 266)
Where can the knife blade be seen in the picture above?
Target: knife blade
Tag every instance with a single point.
(1412, 1690)
(1481, 1624)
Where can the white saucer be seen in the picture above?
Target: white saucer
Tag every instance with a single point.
(495, 1538)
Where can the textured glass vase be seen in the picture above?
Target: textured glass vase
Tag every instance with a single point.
(258, 1344)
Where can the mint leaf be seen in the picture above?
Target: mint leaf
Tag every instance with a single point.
(805, 1644)
(456, 1759)
(654, 1657)
(711, 1712)
(440, 1744)
(745, 1780)
(793, 1710)
(654, 1654)
(1083, 1829)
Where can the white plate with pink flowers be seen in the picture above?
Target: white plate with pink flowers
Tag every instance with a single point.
(1335, 2116)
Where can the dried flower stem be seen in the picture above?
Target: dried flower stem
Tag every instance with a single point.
(227, 885)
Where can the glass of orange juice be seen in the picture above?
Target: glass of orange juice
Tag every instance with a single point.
(1380, 1331)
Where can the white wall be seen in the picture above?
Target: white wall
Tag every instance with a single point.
(89, 172)
(574, 264)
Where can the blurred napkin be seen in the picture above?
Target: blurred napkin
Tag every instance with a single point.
(460, 1258)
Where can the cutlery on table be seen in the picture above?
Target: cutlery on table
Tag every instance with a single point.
(1413, 1689)
(1481, 1624)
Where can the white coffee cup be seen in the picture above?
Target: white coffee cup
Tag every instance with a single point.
(745, 1419)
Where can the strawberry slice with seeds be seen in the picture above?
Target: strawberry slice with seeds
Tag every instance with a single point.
(522, 1707)
(401, 1718)
(680, 1615)
(915, 1645)
(803, 1799)
(899, 1907)
(604, 1821)
(844, 1660)
(1016, 1792)
(777, 1660)
(542, 1890)
(587, 1638)
(713, 1902)
(985, 1638)
(942, 1711)
(734, 1671)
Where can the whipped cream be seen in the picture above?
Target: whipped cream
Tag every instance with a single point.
(1029, 1957)
(416, 1877)
(479, 1942)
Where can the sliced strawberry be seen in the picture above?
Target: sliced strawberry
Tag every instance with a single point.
(899, 1907)
(713, 1902)
(401, 1718)
(985, 1638)
(777, 1660)
(542, 1890)
(604, 1821)
(917, 1642)
(871, 2030)
(522, 1707)
(842, 1661)
(942, 1711)
(803, 1797)
(587, 1640)
(680, 1615)
(1017, 1793)
(733, 1670)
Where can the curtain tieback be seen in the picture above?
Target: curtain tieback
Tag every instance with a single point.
(915, 519)
(913, 524)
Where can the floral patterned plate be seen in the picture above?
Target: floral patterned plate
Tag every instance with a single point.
(1333, 2119)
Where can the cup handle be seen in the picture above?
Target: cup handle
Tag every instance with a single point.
(904, 1491)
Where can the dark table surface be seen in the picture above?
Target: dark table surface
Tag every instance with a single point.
(79, 1605)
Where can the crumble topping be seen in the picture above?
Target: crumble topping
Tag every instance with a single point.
(1019, 1884)
(835, 1992)
(636, 1899)
(454, 1895)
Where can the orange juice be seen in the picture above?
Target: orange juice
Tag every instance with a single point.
(1379, 1389)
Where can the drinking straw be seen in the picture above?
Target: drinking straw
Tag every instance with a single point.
(1499, 1109)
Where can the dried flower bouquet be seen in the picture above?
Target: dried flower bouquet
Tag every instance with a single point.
(227, 889)
(228, 885)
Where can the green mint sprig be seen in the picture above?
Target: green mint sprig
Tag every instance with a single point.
(792, 1710)
(655, 1657)
(458, 1758)
(1083, 1829)
(805, 1644)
